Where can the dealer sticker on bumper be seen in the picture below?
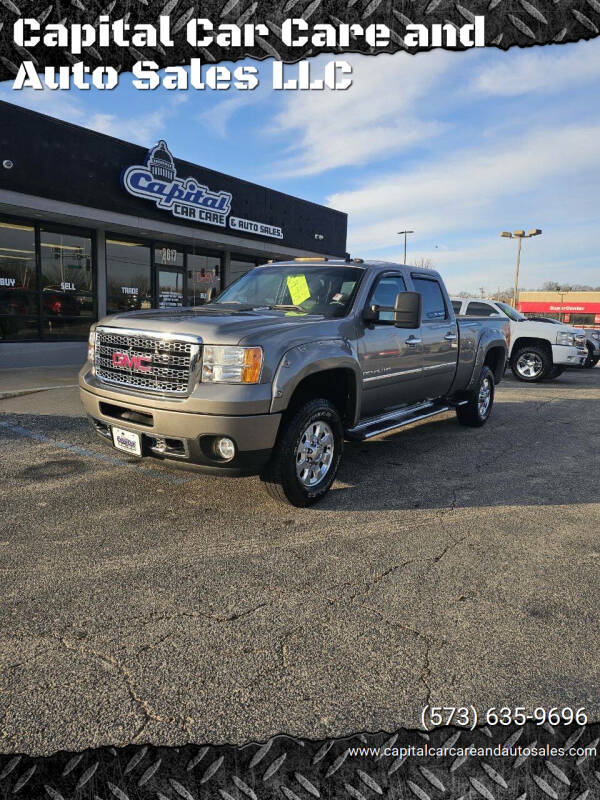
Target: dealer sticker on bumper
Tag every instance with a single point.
(127, 441)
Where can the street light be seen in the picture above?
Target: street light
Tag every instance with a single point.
(519, 235)
(405, 234)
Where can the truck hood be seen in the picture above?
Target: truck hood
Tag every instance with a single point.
(227, 324)
(551, 330)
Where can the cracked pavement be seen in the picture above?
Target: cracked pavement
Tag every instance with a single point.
(448, 566)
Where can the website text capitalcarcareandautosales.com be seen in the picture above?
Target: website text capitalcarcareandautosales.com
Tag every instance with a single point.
(427, 751)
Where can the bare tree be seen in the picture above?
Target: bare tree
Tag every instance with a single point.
(422, 263)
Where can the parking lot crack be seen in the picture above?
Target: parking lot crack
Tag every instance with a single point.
(143, 706)
(196, 614)
(378, 577)
(425, 674)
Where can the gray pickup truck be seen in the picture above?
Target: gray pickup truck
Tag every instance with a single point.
(294, 357)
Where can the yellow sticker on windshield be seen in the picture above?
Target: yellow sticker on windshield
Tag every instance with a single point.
(298, 289)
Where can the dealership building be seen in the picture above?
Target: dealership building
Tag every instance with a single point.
(581, 309)
(91, 225)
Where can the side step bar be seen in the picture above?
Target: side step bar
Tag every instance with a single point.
(384, 423)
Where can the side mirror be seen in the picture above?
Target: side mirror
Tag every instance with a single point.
(371, 313)
(407, 310)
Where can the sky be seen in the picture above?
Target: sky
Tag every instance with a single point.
(457, 146)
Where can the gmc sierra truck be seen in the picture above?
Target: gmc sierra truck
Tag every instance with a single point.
(271, 376)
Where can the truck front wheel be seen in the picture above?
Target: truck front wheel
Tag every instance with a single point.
(476, 411)
(306, 456)
(531, 363)
(591, 359)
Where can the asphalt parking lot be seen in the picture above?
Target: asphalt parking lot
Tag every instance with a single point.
(448, 565)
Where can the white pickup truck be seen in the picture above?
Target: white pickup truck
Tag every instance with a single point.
(536, 350)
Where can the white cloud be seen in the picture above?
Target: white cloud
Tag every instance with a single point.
(219, 115)
(143, 129)
(462, 189)
(378, 116)
(548, 69)
(59, 104)
(561, 253)
(70, 107)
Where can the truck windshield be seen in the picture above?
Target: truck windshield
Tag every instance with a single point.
(511, 312)
(297, 289)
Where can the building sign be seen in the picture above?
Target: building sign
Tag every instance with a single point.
(156, 180)
(557, 307)
(249, 226)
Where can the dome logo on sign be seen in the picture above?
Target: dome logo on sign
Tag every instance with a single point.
(157, 180)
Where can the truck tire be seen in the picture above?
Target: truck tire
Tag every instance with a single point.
(555, 372)
(590, 361)
(478, 408)
(306, 456)
(531, 363)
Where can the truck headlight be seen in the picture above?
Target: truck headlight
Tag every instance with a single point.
(596, 335)
(91, 346)
(225, 364)
(565, 338)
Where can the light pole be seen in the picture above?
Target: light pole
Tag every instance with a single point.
(519, 235)
(405, 234)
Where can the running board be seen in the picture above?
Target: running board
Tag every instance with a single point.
(384, 423)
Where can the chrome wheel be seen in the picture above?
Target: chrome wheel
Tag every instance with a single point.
(530, 365)
(314, 454)
(485, 398)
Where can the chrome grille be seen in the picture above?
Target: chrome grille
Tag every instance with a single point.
(168, 364)
(580, 341)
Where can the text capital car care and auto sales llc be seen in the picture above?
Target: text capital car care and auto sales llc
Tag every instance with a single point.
(31, 36)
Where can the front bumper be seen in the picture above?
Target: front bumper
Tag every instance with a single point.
(184, 437)
(568, 356)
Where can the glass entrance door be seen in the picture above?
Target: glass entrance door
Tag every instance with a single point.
(171, 289)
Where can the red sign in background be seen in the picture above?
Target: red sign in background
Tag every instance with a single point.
(561, 308)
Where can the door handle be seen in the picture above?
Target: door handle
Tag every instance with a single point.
(413, 340)
(450, 337)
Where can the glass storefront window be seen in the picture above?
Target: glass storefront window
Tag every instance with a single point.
(67, 284)
(18, 282)
(237, 268)
(129, 286)
(203, 278)
(66, 327)
(19, 328)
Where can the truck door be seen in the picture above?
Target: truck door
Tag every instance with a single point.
(390, 357)
(439, 333)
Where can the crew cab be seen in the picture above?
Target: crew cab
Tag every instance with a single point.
(537, 350)
(289, 361)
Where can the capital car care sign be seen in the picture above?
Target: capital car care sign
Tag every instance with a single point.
(156, 180)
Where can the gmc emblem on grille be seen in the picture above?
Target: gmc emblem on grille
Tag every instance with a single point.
(125, 361)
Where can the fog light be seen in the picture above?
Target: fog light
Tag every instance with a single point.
(224, 448)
